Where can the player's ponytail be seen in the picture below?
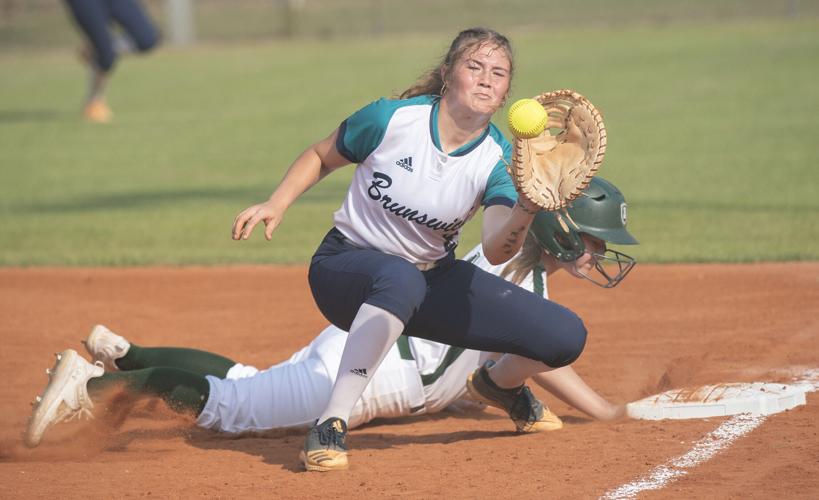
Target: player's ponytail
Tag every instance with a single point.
(524, 262)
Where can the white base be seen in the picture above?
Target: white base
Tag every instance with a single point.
(719, 400)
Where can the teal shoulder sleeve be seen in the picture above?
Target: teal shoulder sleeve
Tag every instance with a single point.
(363, 131)
(499, 187)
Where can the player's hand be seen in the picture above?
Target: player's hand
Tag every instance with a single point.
(265, 212)
(613, 413)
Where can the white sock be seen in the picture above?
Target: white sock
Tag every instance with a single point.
(512, 370)
(372, 333)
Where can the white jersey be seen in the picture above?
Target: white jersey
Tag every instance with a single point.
(417, 376)
(407, 197)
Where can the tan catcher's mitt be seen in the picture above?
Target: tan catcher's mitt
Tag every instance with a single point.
(552, 170)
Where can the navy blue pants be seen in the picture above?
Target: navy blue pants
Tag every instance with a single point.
(94, 17)
(455, 303)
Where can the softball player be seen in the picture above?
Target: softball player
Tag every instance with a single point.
(94, 18)
(426, 162)
(417, 377)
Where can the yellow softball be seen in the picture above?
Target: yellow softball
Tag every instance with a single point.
(527, 119)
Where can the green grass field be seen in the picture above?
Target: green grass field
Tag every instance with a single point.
(712, 137)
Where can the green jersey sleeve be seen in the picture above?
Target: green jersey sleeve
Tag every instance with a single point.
(363, 131)
(499, 187)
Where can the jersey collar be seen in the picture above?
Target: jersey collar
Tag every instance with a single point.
(433, 132)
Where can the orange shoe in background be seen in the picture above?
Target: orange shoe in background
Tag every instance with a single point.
(97, 112)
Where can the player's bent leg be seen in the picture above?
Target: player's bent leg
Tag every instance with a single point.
(65, 397)
(74, 383)
(130, 15)
(511, 370)
(117, 353)
(343, 277)
(196, 361)
(373, 332)
(525, 410)
(373, 295)
(182, 390)
(93, 18)
(468, 307)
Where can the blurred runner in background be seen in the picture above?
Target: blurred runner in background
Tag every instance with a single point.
(95, 18)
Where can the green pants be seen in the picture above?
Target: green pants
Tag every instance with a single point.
(177, 375)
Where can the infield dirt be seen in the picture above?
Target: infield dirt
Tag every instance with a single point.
(664, 327)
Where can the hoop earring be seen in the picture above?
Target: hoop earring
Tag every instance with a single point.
(443, 89)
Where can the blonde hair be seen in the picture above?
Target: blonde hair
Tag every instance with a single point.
(434, 80)
(523, 263)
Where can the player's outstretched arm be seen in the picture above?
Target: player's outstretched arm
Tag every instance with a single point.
(567, 385)
(504, 230)
(315, 163)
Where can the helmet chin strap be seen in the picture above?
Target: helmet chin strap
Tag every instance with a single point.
(603, 278)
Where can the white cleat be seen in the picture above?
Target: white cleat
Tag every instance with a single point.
(106, 346)
(65, 397)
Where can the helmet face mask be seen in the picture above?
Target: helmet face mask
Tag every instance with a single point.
(610, 268)
(600, 212)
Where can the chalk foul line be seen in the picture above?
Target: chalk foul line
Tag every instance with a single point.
(715, 441)
(703, 450)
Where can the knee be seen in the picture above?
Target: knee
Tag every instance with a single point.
(105, 60)
(566, 342)
(147, 41)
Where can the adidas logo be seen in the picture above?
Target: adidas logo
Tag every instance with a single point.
(405, 163)
(361, 372)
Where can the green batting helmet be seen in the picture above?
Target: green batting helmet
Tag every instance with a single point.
(600, 211)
